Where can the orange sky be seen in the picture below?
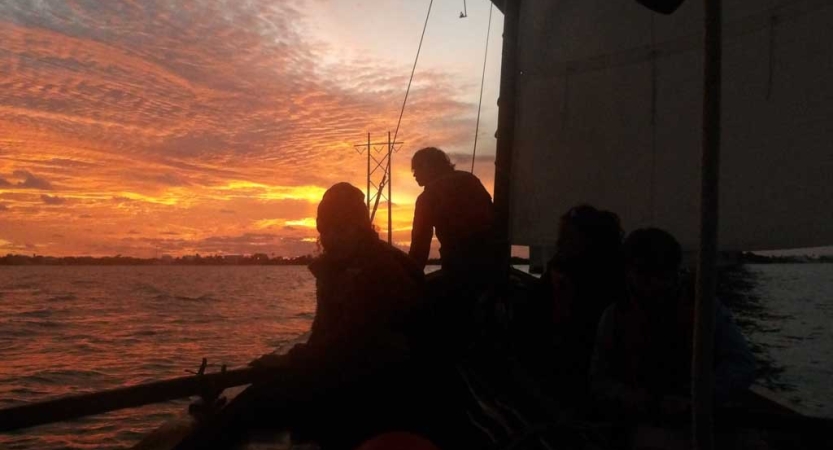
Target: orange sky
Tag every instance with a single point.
(140, 128)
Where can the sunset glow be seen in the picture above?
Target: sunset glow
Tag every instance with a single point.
(148, 128)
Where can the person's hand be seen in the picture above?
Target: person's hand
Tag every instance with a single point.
(673, 405)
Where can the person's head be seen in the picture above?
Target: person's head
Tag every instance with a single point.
(430, 163)
(585, 232)
(652, 266)
(343, 222)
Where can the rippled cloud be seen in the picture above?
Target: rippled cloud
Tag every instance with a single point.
(196, 120)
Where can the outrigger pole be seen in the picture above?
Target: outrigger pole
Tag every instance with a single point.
(207, 386)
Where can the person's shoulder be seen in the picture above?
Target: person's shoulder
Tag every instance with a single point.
(387, 258)
(465, 177)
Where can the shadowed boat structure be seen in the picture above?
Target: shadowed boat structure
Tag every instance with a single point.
(603, 102)
(507, 409)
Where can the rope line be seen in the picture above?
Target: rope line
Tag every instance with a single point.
(408, 90)
(404, 102)
(482, 80)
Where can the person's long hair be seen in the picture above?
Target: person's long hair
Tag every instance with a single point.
(343, 206)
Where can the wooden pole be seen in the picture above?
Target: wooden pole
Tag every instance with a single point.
(506, 134)
(702, 390)
(67, 408)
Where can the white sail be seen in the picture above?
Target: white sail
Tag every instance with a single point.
(609, 101)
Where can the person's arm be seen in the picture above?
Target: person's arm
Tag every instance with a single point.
(733, 360)
(422, 232)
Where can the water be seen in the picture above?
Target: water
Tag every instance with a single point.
(66, 330)
(795, 328)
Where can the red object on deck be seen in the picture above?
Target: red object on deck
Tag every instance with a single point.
(397, 440)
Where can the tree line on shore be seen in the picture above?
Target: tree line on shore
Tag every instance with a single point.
(186, 260)
(256, 259)
(262, 259)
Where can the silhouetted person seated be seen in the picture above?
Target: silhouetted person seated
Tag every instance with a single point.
(582, 278)
(642, 360)
(353, 377)
(456, 206)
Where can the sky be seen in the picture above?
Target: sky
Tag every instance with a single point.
(145, 127)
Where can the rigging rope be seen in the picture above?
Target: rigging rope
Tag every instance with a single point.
(482, 79)
(408, 90)
(402, 111)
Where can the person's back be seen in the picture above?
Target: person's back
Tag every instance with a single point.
(459, 209)
(456, 206)
(463, 217)
(364, 303)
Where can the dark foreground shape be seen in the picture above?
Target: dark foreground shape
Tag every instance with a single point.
(661, 6)
(66, 408)
(504, 417)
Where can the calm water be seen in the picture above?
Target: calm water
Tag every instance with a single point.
(67, 330)
(795, 328)
(81, 329)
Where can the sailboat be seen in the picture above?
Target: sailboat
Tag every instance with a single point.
(615, 103)
(710, 121)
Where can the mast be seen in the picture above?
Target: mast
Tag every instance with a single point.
(506, 132)
(702, 376)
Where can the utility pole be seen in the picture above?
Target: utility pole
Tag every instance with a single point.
(379, 165)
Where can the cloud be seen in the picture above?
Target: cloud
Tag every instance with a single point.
(3, 207)
(50, 200)
(170, 179)
(203, 116)
(29, 181)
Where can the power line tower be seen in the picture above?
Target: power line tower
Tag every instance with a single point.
(379, 159)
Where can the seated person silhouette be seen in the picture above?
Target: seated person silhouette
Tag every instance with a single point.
(641, 366)
(582, 278)
(353, 378)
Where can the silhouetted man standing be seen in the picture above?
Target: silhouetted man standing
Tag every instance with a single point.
(456, 206)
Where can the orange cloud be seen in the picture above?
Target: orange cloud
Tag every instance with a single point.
(223, 122)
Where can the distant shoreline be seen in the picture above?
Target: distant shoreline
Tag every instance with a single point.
(261, 259)
(258, 259)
